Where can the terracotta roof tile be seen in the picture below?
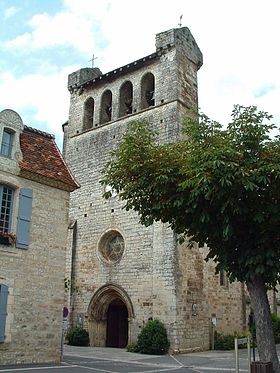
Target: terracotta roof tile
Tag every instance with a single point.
(42, 157)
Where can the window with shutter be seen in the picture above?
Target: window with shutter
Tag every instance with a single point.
(3, 310)
(24, 218)
(6, 204)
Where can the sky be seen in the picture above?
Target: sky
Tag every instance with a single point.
(42, 41)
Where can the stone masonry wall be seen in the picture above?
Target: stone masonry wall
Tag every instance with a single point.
(192, 305)
(161, 279)
(144, 270)
(148, 268)
(35, 277)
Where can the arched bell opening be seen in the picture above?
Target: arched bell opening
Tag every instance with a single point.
(147, 91)
(106, 107)
(88, 114)
(125, 99)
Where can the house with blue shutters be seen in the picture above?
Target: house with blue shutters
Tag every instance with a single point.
(35, 184)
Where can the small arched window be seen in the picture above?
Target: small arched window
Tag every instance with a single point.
(7, 142)
(88, 113)
(125, 103)
(106, 107)
(147, 90)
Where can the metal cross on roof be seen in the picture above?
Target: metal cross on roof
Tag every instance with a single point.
(92, 60)
(180, 22)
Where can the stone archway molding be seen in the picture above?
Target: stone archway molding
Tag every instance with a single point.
(103, 297)
(97, 311)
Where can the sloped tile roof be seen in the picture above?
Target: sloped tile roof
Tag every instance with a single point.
(43, 161)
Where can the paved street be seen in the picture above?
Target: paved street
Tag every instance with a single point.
(209, 361)
(112, 360)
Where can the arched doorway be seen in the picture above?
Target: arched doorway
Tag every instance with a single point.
(110, 313)
(117, 324)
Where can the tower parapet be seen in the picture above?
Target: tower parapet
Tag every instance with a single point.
(182, 39)
(81, 76)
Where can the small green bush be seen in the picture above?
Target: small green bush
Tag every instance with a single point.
(223, 342)
(226, 342)
(153, 339)
(132, 347)
(276, 327)
(77, 337)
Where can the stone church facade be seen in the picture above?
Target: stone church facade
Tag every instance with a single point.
(122, 273)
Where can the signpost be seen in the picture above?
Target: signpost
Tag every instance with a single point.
(213, 324)
(65, 312)
(241, 341)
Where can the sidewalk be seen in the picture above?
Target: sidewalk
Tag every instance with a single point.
(107, 353)
(205, 361)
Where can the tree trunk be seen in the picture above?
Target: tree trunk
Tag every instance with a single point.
(264, 333)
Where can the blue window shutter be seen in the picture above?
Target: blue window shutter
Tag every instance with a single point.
(3, 310)
(24, 218)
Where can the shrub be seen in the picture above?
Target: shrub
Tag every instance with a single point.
(153, 338)
(77, 337)
(223, 342)
(132, 347)
(226, 342)
(276, 327)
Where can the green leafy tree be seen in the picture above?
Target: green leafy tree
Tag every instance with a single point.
(219, 186)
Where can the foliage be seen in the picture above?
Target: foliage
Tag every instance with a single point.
(8, 237)
(214, 177)
(218, 186)
(77, 337)
(132, 347)
(226, 342)
(69, 285)
(223, 342)
(276, 327)
(153, 339)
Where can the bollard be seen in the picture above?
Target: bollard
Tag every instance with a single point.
(236, 355)
(249, 354)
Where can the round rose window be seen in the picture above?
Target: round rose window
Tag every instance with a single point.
(111, 247)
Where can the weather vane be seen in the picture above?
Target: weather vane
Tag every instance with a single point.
(180, 22)
(92, 60)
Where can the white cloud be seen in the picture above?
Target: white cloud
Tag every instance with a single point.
(63, 28)
(238, 40)
(10, 12)
(19, 41)
(86, 23)
(46, 95)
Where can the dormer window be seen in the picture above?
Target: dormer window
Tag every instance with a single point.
(7, 143)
